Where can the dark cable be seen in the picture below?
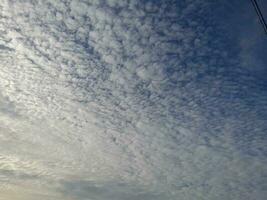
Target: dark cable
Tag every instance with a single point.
(261, 18)
(259, 13)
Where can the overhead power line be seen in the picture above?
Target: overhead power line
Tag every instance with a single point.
(259, 13)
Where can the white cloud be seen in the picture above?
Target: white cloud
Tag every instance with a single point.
(125, 100)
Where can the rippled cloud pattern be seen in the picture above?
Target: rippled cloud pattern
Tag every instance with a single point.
(131, 100)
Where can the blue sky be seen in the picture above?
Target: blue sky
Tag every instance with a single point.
(132, 100)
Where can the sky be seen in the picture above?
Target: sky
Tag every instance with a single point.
(132, 100)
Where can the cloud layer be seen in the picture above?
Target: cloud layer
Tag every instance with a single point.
(126, 99)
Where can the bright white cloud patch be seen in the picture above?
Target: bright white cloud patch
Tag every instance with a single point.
(125, 99)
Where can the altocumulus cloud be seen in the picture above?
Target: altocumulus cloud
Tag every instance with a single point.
(127, 100)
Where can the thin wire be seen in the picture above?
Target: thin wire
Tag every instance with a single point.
(261, 18)
(259, 13)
